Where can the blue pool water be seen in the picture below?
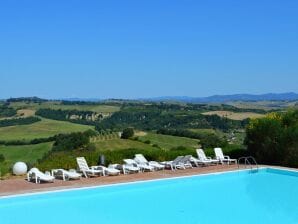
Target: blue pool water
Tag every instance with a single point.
(266, 196)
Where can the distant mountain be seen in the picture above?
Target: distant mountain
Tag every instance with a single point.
(228, 98)
(210, 99)
(81, 99)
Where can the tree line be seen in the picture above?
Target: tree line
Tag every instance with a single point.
(19, 121)
(157, 119)
(65, 115)
(6, 111)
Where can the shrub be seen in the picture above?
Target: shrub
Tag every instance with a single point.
(147, 142)
(127, 133)
(156, 146)
(91, 147)
(2, 158)
(234, 151)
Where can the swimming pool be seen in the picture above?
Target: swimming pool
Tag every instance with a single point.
(266, 196)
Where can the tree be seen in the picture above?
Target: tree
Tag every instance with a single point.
(127, 133)
(274, 139)
(212, 141)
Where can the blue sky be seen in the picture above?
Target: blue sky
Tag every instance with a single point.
(131, 49)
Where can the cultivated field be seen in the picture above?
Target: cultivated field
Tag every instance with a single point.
(42, 129)
(235, 116)
(264, 105)
(57, 105)
(25, 153)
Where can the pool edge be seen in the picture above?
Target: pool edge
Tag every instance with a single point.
(140, 181)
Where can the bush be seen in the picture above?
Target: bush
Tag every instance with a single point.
(127, 133)
(2, 158)
(91, 147)
(147, 142)
(234, 151)
(156, 146)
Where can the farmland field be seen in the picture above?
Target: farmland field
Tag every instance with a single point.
(264, 105)
(26, 153)
(235, 116)
(57, 105)
(44, 128)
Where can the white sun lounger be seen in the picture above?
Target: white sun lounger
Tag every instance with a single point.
(86, 170)
(222, 158)
(38, 176)
(174, 164)
(66, 175)
(140, 159)
(186, 161)
(204, 159)
(143, 167)
(126, 169)
(110, 171)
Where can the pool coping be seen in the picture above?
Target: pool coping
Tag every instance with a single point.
(140, 181)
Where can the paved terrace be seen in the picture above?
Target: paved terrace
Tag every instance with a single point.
(20, 185)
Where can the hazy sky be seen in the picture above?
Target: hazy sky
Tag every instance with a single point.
(131, 49)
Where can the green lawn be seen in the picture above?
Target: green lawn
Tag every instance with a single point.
(42, 129)
(57, 105)
(168, 142)
(27, 153)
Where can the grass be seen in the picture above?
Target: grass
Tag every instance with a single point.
(57, 105)
(164, 141)
(168, 142)
(235, 116)
(117, 144)
(42, 129)
(27, 153)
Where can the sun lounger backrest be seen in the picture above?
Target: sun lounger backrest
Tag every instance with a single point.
(218, 153)
(178, 159)
(82, 163)
(129, 161)
(140, 158)
(201, 154)
(186, 159)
